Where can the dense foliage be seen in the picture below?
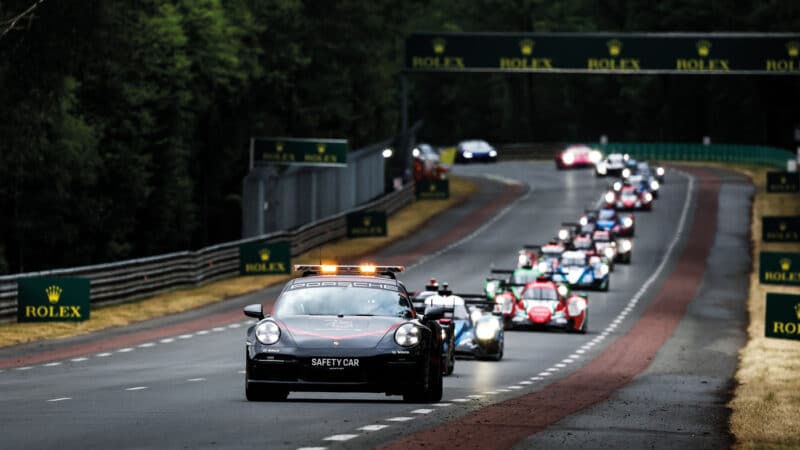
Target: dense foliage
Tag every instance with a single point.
(124, 123)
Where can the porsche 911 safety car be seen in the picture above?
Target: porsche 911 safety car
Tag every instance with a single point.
(579, 271)
(577, 156)
(344, 328)
(545, 304)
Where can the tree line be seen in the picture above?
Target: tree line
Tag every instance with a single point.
(124, 124)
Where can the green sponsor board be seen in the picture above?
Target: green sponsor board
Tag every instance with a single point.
(433, 189)
(687, 53)
(366, 224)
(782, 316)
(779, 268)
(319, 152)
(782, 182)
(780, 229)
(264, 259)
(53, 299)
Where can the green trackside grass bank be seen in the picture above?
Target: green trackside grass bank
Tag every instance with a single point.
(401, 224)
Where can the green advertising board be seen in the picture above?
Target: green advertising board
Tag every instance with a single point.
(780, 229)
(53, 299)
(782, 182)
(779, 268)
(317, 152)
(627, 53)
(366, 224)
(782, 316)
(261, 258)
(433, 189)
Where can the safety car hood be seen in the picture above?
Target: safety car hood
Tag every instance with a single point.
(347, 331)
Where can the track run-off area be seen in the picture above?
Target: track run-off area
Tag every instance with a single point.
(654, 369)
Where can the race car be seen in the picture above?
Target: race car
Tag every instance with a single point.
(567, 233)
(611, 166)
(588, 221)
(529, 255)
(420, 301)
(550, 254)
(545, 304)
(615, 250)
(577, 156)
(618, 225)
(474, 151)
(344, 329)
(579, 271)
(477, 333)
(629, 198)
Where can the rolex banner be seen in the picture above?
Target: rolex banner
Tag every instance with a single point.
(366, 224)
(779, 268)
(314, 152)
(51, 299)
(783, 316)
(782, 182)
(433, 189)
(265, 258)
(780, 229)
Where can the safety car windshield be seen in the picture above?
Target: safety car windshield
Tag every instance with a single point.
(342, 300)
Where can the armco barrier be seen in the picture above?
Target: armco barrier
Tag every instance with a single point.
(133, 279)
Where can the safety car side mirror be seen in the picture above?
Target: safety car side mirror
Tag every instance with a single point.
(255, 310)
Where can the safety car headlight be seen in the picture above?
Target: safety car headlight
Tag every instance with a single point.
(609, 252)
(542, 266)
(648, 197)
(627, 222)
(610, 197)
(595, 156)
(407, 335)
(654, 185)
(563, 290)
(468, 155)
(492, 153)
(487, 329)
(475, 315)
(576, 307)
(568, 158)
(584, 221)
(626, 245)
(660, 171)
(563, 234)
(626, 172)
(268, 332)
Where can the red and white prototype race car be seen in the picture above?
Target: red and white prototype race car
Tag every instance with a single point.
(577, 156)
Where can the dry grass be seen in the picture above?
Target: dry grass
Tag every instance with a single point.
(766, 403)
(401, 224)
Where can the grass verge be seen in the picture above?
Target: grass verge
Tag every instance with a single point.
(401, 224)
(766, 400)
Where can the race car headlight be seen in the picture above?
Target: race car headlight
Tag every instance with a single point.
(523, 260)
(563, 234)
(610, 197)
(604, 269)
(468, 155)
(576, 307)
(648, 197)
(584, 221)
(609, 252)
(543, 267)
(627, 222)
(660, 171)
(626, 246)
(268, 332)
(654, 185)
(626, 157)
(601, 169)
(626, 173)
(407, 335)
(617, 185)
(563, 290)
(595, 156)
(444, 334)
(475, 315)
(487, 329)
(568, 158)
(492, 153)
(415, 152)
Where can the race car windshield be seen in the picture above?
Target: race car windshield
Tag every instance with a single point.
(540, 294)
(606, 214)
(583, 243)
(347, 301)
(628, 194)
(523, 276)
(573, 261)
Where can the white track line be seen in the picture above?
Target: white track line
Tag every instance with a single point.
(375, 427)
(340, 437)
(136, 388)
(60, 399)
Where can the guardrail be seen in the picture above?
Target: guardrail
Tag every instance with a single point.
(137, 278)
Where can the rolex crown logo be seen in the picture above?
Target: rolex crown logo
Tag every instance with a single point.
(279, 146)
(614, 47)
(264, 254)
(526, 46)
(367, 221)
(53, 293)
(439, 45)
(793, 48)
(703, 48)
(786, 264)
(782, 226)
(320, 148)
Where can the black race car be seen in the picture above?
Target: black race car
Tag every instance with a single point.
(344, 329)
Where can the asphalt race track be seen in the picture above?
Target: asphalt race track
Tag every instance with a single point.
(183, 387)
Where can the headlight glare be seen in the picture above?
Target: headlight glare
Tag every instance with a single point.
(648, 197)
(268, 332)
(627, 222)
(407, 335)
(654, 185)
(468, 155)
(626, 173)
(660, 171)
(492, 153)
(610, 197)
(595, 156)
(563, 290)
(487, 329)
(609, 252)
(568, 158)
(626, 245)
(475, 315)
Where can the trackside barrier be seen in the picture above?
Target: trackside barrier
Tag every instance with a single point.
(133, 279)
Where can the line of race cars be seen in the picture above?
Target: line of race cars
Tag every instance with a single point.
(358, 329)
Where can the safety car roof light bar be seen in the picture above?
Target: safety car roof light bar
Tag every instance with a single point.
(362, 269)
